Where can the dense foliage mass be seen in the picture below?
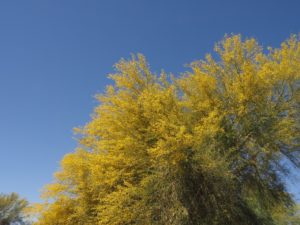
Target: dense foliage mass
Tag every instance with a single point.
(211, 146)
(11, 209)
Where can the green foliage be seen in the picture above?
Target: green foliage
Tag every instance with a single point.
(11, 209)
(205, 148)
(290, 217)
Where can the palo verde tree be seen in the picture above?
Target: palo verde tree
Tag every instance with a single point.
(208, 147)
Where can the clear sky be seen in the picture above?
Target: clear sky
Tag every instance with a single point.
(55, 56)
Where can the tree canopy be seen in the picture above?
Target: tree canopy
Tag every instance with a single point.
(210, 146)
(11, 209)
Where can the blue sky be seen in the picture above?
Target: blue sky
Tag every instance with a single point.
(55, 56)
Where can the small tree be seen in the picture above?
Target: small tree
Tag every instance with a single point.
(11, 209)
